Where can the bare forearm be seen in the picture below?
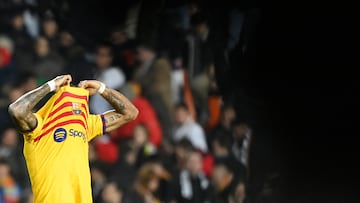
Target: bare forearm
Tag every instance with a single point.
(21, 110)
(28, 101)
(120, 103)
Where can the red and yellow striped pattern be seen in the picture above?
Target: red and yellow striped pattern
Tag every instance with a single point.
(56, 151)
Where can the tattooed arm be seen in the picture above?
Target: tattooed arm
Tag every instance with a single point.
(124, 111)
(21, 110)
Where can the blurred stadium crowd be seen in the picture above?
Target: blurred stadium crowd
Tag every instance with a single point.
(188, 144)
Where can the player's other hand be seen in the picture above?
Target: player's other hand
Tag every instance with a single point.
(90, 85)
(62, 80)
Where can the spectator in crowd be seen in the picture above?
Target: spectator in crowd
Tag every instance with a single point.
(50, 30)
(187, 127)
(6, 56)
(145, 186)
(225, 181)
(238, 194)
(223, 154)
(182, 150)
(242, 142)
(48, 63)
(228, 115)
(111, 76)
(154, 77)
(147, 117)
(112, 193)
(141, 145)
(10, 149)
(98, 179)
(23, 43)
(74, 54)
(192, 186)
(124, 50)
(106, 150)
(133, 154)
(9, 189)
(199, 46)
(68, 47)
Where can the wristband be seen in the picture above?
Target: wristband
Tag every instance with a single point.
(102, 88)
(52, 85)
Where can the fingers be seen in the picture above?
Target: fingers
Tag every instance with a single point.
(67, 79)
(83, 84)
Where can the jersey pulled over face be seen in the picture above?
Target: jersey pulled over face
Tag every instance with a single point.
(56, 151)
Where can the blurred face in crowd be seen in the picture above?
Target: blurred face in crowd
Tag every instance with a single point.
(140, 135)
(66, 39)
(181, 153)
(50, 27)
(194, 163)
(4, 170)
(97, 175)
(118, 37)
(42, 47)
(153, 184)
(15, 93)
(10, 138)
(103, 57)
(18, 22)
(181, 115)
(201, 29)
(219, 176)
(144, 55)
(30, 84)
(219, 151)
(229, 115)
(111, 194)
(240, 131)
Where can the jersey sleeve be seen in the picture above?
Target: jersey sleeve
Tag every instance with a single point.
(28, 136)
(96, 126)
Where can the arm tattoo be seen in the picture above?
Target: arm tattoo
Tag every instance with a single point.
(124, 111)
(121, 104)
(21, 110)
(117, 103)
(113, 118)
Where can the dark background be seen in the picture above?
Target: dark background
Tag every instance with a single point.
(301, 74)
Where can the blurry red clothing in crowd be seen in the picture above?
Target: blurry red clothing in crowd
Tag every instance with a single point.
(146, 117)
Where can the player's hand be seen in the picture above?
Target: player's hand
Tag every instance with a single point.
(62, 80)
(90, 85)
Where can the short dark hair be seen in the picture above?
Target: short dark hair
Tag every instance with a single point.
(105, 44)
(186, 144)
(223, 140)
(182, 105)
(226, 164)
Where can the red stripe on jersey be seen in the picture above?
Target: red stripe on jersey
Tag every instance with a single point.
(68, 94)
(66, 104)
(73, 121)
(65, 114)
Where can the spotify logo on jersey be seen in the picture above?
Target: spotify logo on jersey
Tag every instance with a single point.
(59, 135)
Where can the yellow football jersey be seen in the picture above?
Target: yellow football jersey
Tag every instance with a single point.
(56, 151)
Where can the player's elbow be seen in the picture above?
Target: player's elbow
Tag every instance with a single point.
(133, 114)
(16, 111)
